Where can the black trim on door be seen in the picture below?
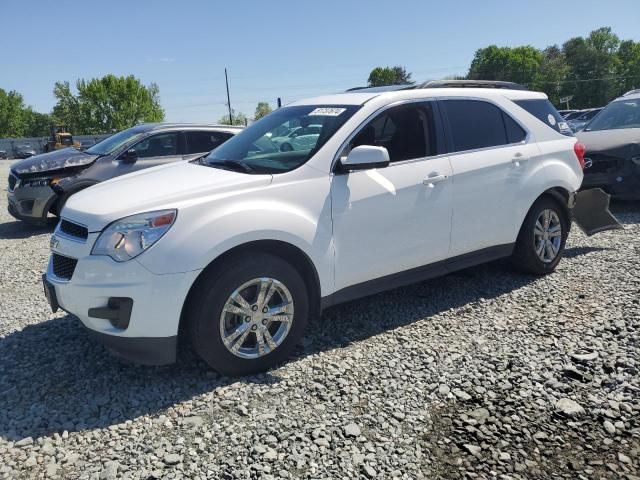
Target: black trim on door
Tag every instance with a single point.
(418, 274)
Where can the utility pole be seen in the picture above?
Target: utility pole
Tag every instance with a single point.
(226, 79)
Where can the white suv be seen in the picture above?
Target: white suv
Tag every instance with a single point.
(243, 247)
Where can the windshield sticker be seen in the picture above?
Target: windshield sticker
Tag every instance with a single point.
(564, 127)
(328, 111)
(552, 119)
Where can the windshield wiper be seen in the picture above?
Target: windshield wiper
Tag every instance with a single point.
(237, 165)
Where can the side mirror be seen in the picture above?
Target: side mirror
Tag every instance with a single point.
(365, 157)
(129, 156)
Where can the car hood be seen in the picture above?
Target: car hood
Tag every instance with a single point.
(622, 143)
(52, 162)
(174, 185)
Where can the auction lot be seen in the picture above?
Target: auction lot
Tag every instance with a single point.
(473, 375)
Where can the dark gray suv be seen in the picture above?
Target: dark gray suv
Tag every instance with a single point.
(42, 184)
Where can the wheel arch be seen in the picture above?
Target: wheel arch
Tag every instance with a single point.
(284, 250)
(560, 194)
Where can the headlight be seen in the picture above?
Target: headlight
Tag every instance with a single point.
(128, 237)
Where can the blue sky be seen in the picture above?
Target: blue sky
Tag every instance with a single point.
(291, 49)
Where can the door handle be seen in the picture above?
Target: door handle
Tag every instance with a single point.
(519, 158)
(431, 181)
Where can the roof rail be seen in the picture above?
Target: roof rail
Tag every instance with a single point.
(385, 88)
(472, 84)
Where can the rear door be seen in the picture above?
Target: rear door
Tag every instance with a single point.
(199, 142)
(490, 157)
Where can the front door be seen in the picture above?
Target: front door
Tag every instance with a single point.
(393, 219)
(152, 151)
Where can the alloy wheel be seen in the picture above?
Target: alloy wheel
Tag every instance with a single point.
(547, 235)
(256, 318)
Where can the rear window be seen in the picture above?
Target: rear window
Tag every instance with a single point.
(544, 111)
(205, 141)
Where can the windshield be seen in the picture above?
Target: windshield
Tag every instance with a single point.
(262, 149)
(620, 114)
(114, 142)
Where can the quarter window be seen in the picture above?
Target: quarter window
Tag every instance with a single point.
(515, 133)
(203, 141)
(406, 131)
(161, 145)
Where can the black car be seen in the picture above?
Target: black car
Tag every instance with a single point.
(25, 151)
(612, 140)
(3, 155)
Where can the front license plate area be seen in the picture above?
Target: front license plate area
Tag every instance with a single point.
(591, 212)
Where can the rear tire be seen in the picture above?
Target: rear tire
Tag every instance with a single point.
(227, 313)
(541, 241)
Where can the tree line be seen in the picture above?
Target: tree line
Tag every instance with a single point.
(100, 105)
(592, 70)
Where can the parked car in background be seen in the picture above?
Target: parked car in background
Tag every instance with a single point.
(298, 138)
(576, 124)
(3, 155)
(42, 184)
(25, 151)
(612, 140)
(85, 144)
(240, 250)
(565, 113)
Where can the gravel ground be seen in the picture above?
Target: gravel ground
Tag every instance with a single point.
(481, 374)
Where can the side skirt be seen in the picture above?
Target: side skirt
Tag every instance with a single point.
(418, 274)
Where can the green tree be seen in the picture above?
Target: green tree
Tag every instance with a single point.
(519, 64)
(67, 109)
(37, 124)
(12, 114)
(593, 64)
(236, 119)
(628, 65)
(262, 110)
(552, 74)
(106, 104)
(382, 76)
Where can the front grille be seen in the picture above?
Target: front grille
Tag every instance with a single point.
(603, 164)
(12, 182)
(63, 267)
(73, 229)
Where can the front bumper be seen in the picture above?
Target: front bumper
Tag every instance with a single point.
(31, 203)
(150, 336)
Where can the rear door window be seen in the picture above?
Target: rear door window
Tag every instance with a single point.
(544, 111)
(203, 141)
(475, 124)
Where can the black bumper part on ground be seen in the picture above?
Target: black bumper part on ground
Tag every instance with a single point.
(141, 350)
(591, 212)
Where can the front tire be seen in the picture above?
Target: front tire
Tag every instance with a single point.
(541, 241)
(247, 315)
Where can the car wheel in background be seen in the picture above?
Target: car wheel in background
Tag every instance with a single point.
(540, 244)
(247, 314)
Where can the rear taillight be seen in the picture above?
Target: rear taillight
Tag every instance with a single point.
(580, 150)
